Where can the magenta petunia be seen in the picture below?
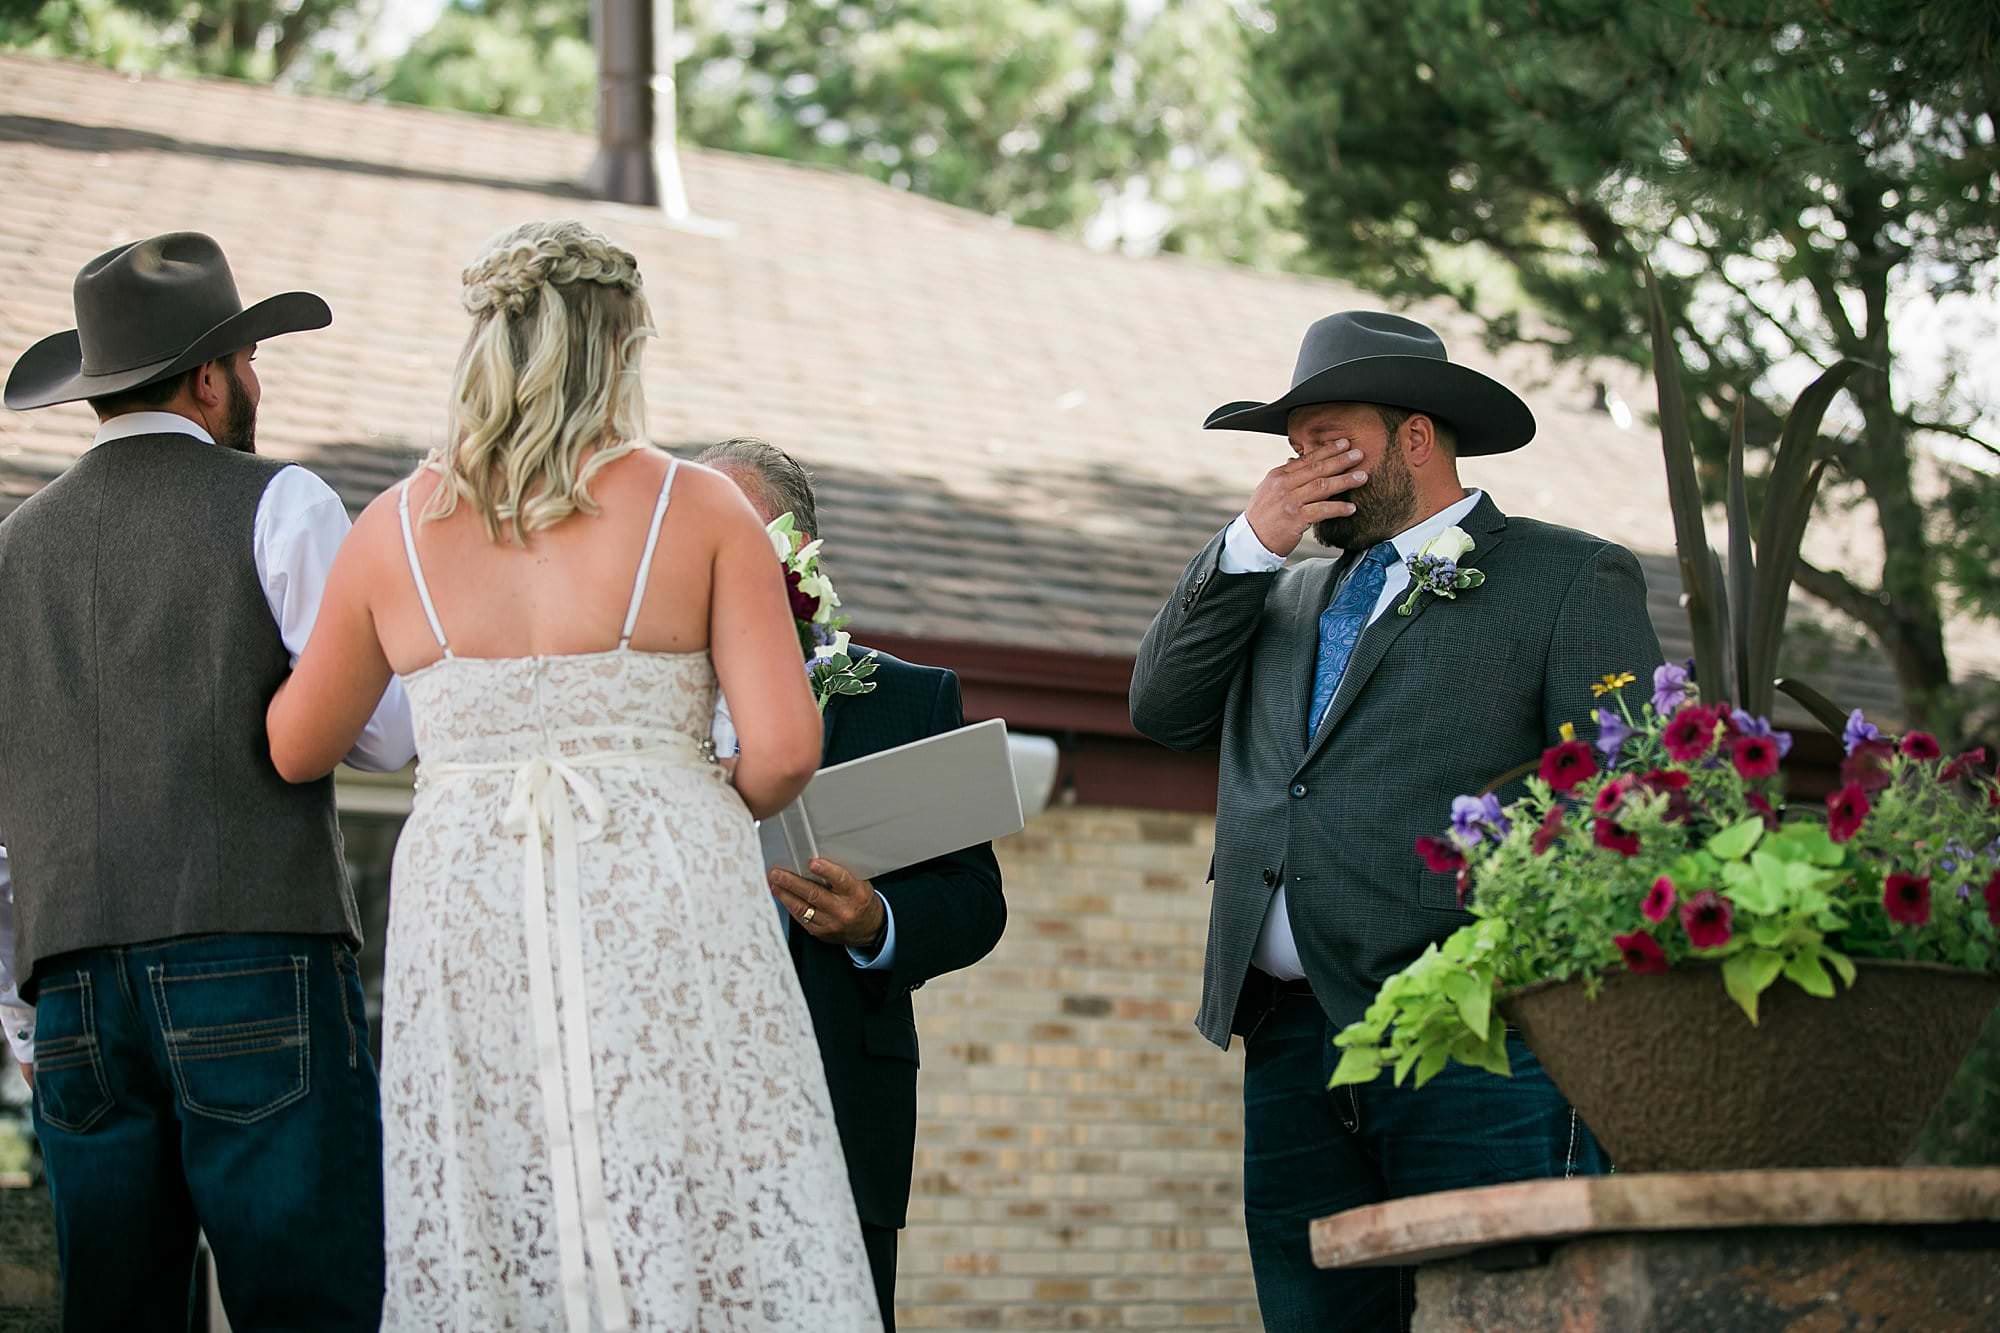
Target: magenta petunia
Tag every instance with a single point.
(1706, 919)
(1921, 745)
(1551, 829)
(1691, 733)
(1659, 903)
(1993, 898)
(1844, 812)
(1566, 764)
(1440, 854)
(1755, 756)
(1966, 765)
(1642, 952)
(1764, 808)
(1867, 766)
(1613, 838)
(1612, 794)
(1907, 898)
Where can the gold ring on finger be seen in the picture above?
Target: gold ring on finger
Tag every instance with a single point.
(807, 916)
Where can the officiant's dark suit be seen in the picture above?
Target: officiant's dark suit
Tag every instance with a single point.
(947, 914)
(1346, 729)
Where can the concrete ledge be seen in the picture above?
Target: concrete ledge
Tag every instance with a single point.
(28, 1297)
(1432, 1227)
(1838, 1279)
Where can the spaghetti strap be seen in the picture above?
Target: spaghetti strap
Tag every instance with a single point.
(645, 561)
(416, 569)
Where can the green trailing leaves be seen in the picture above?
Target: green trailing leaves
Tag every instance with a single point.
(1734, 843)
(1749, 974)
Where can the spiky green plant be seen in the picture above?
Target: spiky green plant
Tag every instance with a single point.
(1736, 611)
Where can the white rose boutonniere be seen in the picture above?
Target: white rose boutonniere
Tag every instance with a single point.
(1434, 569)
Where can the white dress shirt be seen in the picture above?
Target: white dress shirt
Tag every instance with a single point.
(1277, 953)
(299, 526)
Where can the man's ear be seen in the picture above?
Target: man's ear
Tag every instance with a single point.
(1420, 440)
(208, 386)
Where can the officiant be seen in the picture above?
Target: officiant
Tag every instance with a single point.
(861, 946)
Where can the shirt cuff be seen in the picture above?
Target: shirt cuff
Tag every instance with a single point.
(1242, 553)
(18, 1021)
(885, 957)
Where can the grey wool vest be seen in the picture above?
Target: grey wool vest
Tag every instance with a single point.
(137, 657)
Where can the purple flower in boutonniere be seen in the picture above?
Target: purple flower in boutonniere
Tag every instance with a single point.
(1434, 569)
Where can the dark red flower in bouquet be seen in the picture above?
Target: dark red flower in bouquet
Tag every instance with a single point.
(1659, 903)
(1706, 917)
(1612, 838)
(1551, 829)
(1993, 898)
(1844, 812)
(1565, 765)
(1764, 808)
(1921, 745)
(1612, 794)
(1755, 756)
(1689, 735)
(804, 605)
(1964, 766)
(1643, 953)
(1674, 782)
(1907, 898)
(1867, 766)
(1440, 854)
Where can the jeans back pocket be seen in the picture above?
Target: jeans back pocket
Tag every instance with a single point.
(70, 1093)
(236, 1034)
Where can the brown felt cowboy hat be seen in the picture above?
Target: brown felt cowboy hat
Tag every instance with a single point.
(148, 310)
(1365, 356)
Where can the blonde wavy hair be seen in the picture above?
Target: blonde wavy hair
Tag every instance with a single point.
(549, 374)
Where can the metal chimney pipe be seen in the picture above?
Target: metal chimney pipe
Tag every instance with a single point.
(622, 31)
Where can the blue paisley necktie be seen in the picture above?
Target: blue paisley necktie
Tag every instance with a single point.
(1340, 627)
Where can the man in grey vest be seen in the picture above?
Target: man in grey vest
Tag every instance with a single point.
(180, 918)
(1350, 713)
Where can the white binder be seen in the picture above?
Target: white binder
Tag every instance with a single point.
(894, 808)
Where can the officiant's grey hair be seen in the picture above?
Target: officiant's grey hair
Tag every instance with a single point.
(784, 485)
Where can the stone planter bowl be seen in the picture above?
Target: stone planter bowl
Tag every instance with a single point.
(1672, 1077)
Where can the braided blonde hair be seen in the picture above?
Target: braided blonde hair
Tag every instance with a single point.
(549, 373)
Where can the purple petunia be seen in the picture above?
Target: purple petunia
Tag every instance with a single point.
(1759, 726)
(1471, 816)
(1670, 683)
(1612, 733)
(1859, 729)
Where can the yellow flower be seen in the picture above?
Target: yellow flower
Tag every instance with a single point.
(1611, 684)
(1567, 731)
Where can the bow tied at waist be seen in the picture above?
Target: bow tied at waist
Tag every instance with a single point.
(554, 806)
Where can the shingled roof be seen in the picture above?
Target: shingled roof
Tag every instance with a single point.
(1005, 423)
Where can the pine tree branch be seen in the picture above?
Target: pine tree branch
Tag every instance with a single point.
(1846, 596)
(1957, 432)
(1715, 262)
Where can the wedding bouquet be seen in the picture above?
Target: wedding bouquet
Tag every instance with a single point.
(816, 615)
(1666, 843)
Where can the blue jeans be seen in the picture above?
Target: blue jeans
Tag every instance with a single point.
(1309, 1152)
(219, 1083)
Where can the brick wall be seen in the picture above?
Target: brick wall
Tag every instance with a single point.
(1079, 1147)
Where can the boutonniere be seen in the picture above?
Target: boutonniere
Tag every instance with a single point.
(1434, 569)
(816, 616)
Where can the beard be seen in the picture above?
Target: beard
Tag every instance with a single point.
(239, 421)
(1383, 506)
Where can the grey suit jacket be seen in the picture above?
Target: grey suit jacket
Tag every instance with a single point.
(1432, 705)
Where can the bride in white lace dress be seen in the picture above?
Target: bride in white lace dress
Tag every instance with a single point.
(603, 1106)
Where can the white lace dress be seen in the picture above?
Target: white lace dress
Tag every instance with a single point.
(602, 1103)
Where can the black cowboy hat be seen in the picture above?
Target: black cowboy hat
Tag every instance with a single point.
(148, 310)
(1366, 356)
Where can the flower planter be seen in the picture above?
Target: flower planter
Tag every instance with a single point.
(1672, 1077)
